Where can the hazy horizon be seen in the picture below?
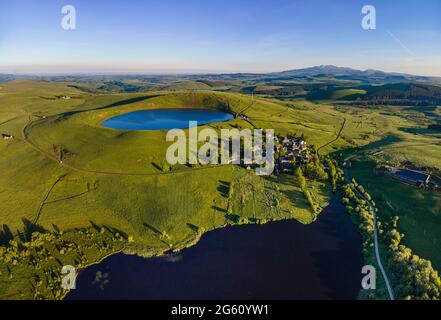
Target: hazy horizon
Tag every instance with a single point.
(182, 73)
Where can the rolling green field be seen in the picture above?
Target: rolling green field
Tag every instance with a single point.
(113, 178)
(419, 210)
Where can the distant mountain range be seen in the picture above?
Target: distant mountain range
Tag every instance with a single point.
(324, 74)
(343, 73)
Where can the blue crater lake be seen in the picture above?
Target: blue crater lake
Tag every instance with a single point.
(164, 119)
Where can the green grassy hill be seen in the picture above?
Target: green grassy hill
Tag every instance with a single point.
(111, 178)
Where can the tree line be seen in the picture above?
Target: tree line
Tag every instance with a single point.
(413, 277)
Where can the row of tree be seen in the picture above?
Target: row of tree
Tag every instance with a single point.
(413, 277)
(301, 181)
(320, 169)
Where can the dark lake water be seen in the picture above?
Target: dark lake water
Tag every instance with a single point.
(164, 119)
(280, 260)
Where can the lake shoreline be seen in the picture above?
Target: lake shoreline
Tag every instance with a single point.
(219, 245)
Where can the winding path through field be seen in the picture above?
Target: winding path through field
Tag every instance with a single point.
(43, 202)
(34, 146)
(376, 245)
(336, 138)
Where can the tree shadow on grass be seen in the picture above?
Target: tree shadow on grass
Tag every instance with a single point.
(153, 229)
(5, 235)
(94, 225)
(193, 227)
(30, 228)
(157, 166)
(219, 209)
(115, 104)
(386, 141)
(224, 188)
(426, 132)
(108, 228)
(56, 228)
(24, 235)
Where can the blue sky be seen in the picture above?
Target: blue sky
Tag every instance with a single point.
(218, 36)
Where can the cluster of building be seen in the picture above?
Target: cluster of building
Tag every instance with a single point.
(418, 178)
(291, 151)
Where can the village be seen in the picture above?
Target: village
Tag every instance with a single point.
(289, 152)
